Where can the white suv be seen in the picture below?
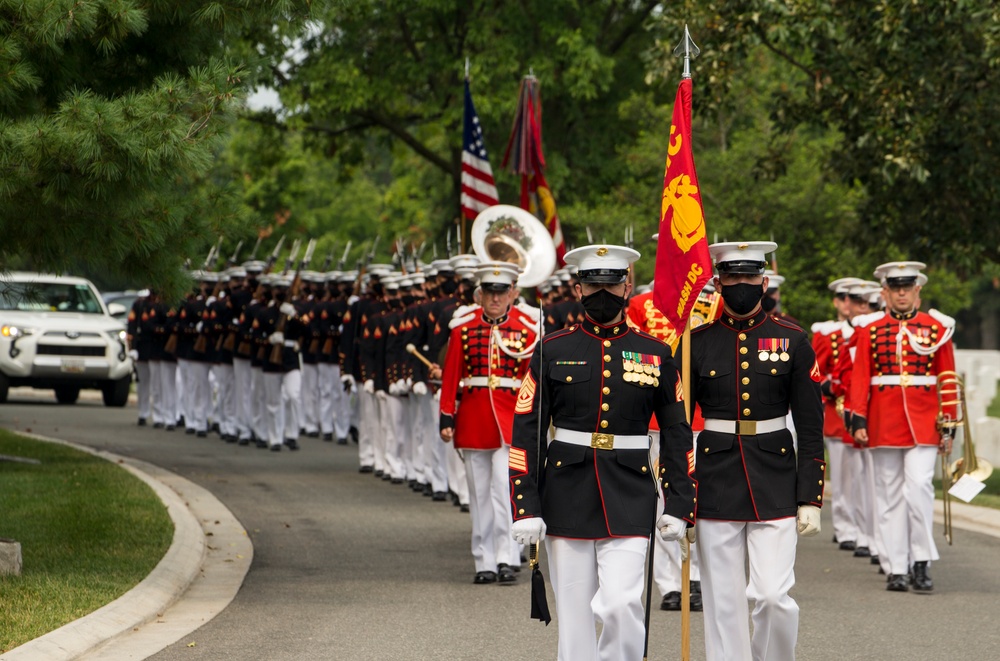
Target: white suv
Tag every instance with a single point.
(55, 332)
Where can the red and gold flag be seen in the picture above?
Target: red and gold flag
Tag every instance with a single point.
(683, 262)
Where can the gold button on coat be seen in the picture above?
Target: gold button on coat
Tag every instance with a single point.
(743, 350)
(746, 396)
(606, 390)
(520, 511)
(607, 343)
(519, 496)
(604, 424)
(746, 411)
(607, 358)
(605, 406)
(743, 336)
(568, 379)
(746, 380)
(607, 373)
(745, 365)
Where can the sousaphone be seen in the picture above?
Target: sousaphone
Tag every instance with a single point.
(505, 233)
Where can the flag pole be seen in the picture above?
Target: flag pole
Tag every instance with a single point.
(688, 50)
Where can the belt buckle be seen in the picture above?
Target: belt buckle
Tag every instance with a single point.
(494, 381)
(906, 380)
(600, 441)
(746, 427)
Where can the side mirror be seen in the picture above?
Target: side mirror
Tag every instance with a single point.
(116, 309)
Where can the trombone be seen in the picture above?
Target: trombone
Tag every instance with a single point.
(951, 397)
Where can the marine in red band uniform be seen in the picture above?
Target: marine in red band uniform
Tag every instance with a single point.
(592, 489)
(487, 357)
(895, 406)
(829, 341)
(754, 490)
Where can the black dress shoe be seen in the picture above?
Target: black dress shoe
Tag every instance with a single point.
(439, 496)
(214, 427)
(366, 469)
(328, 437)
(341, 441)
(671, 601)
(847, 546)
(244, 441)
(873, 559)
(262, 444)
(313, 434)
(232, 438)
(201, 434)
(505, 574)
(834, 538)
(142, 422)
(275, 448)
(897, 583)
(379, 473)
(484, 577)
(353, 433)
(921, 579)
(862, 552)
(396, 480)
(696, 604)
(292, 444)
(428, 490)
(157, 425)
(170, 428)
(189, 430)
(463, 508)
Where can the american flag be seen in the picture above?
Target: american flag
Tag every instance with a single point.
(479, 190)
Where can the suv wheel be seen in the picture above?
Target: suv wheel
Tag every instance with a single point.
(67, 394)
(4, 388)
(116, 392)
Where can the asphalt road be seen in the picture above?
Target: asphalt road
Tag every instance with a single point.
(350, 567)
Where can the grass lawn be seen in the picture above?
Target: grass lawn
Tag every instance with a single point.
(89, 532)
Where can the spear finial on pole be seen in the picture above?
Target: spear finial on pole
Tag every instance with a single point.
(688, 50)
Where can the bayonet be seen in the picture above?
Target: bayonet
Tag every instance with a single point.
(590, 236)
(434, 251)
(371, 253)
(290, 260)
(310, 249)
(343, 258)
(256, 247)
(235, 256)
(447, 244)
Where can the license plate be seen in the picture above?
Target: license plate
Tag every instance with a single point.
(72, 366)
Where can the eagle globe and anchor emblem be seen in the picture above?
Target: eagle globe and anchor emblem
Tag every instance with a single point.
(687, 223)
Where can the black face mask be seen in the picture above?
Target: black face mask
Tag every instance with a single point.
(280, 295)
(602, 306)
(407, 299)
(768, 303)
(742, 298)
(449, 287)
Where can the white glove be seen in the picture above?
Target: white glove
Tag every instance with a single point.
(671, 528)
(808, 520)
(381, 395)
(409, 383)
(370, 386)
(348, 381)
(393, 389)
(420, 388)
(133, 354)
(402, 387)
(528, 531)
(276, 338)
(288, 310)
(437, 396)
(198, 326)
(210, 300)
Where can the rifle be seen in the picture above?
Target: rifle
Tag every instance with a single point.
(244, 347)
(231, 262)
(171, 344)
(277, 351)
(327, 262)
(363, 266)
(213, 255)
(289, 262)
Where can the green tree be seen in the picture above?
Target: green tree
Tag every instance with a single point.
(111, 113)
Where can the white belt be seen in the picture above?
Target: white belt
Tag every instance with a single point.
(745, 427)
(491, 382)
(602, 441)
(904, 380)
(292, 344)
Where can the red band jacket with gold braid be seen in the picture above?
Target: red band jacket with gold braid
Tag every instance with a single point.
(829, 341)
(602, 382)
(893, 388)
(488, 377)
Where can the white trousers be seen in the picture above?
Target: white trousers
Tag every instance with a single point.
(874, 530)
(241, 396)
(840, 477)
(859, 497)
(183, 377)
(310, 398)
(433, 450)
(225, 380)
(155, 392)
(334, 415)
(258, 403)
(489, 505)
(395, 435)
(598, 581)
(667, 563)
(284, 392)
(723, 549)
(143, 389)
(168, 391)
(413, 452)
(367, 428)
(198, 395)
(904, 500)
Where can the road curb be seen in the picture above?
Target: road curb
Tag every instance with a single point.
(983, 520)
(195, 580)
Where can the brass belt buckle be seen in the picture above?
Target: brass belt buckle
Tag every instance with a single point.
(600, 441)
(746, 427)
(494, 381)
(905, 380)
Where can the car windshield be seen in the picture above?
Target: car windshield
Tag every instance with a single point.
(48, 297)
